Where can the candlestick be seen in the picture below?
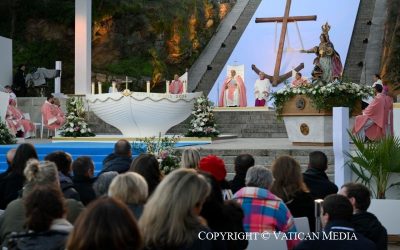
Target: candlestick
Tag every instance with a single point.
(167, 87)
(114, 87)
(148, 86)
(126, 82)
(93, 88)
(184, 87)
(99, 85)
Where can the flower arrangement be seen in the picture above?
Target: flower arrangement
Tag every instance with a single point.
(203, 121)
(5, 136)
(76, 125)
(324, 97)
(163, 149)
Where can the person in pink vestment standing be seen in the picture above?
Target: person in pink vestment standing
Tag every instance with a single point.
(16, 120)
(233, 92)
(176, 86)
(372, 123)
(52, 119)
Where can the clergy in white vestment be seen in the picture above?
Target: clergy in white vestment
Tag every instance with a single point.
(262, 88)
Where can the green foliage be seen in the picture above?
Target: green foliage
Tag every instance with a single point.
(203, 121)
(375, 161)
(5, 136)
(76, 125)
(133, 66)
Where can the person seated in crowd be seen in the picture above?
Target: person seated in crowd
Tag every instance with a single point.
(9, 158)
(12, 181)
(9, 90)
(147, 166)
(52, 118)
(120, 160)
(16, 121)
(37, 174)
(289, 186)
(336, 218)
(299, 81)
(223, 216)
(216, 167)
(242, 163)
(176, 86)
(83, 169)
(45, 223)
(106, 223)
(171, 217)
(130, 188)
(364, 222)
(372, 123)
(190, 158)
(315, 177)
(102, 183)
(263, 211)
(63, 162)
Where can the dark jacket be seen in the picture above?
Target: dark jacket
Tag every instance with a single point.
(360, 243)
(67, 187)
(116, 163)
(50, 240)
(368, 225)
(318, 183)
(10, 186)
(84, 186)
(19, 85)
(302, 205)
(237, 182)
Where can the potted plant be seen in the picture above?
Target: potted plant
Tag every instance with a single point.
(375, 162)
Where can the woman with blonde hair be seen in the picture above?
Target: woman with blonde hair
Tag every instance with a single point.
(171, 218)
(190, 158)
(131, 188)
(289, 186)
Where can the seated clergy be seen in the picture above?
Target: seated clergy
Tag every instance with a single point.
(299, 81)
(176, 86)
(373, 121)
(233, 92)
(53, 118)
(16, 121)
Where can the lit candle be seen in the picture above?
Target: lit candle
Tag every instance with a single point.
(99, 85)
(148, 86)
(114, 87)
(167, 87)
(93, 88)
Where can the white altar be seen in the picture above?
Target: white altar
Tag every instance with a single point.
(140, 114)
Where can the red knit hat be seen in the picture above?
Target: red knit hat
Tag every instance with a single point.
(213, 165)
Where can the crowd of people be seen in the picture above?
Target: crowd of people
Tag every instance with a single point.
(59, 203)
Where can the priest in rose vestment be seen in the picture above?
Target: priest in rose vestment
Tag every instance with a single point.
(52, 118)
(389, 111)
(373, 122)
(233, 92)
(17, 122)
(176, 86)
(299, 81)
(262, 88)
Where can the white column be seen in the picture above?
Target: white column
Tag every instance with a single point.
(83, 46)
(341, 144)
(396, 119)
(57, 80)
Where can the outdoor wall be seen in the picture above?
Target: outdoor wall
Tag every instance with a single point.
(6, 65)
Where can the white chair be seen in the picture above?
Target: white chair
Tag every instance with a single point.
(48, 130)
(273, 243)
(302, 224)
(36, 124)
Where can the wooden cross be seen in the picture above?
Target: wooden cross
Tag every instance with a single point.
(276, 78)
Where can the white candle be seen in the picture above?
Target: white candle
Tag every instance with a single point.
(184, 87)
(114, 87)
(167, 87)
(93, 88)
(126, 82)
(99, 85)
(148, 86)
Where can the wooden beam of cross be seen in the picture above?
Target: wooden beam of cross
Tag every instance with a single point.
(276, 78)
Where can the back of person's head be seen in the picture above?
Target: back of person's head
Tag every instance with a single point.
(288, 179)
(123, 148)
(214, 165)
(318, 160)
(338, 207)
(24, 152)
(131, 188)
(258, 176)
(83, 166)
(242, 163)
(378, 88)
(40, 174)
(147, 166)
(62, 160)
(106, 223)
(360, 193)
(103, 182)
(170, 216)
(190, 158)
(43, 204)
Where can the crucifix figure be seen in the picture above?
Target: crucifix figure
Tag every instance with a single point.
(276, 78)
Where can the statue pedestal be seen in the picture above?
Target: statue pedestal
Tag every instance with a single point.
(306, 125)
